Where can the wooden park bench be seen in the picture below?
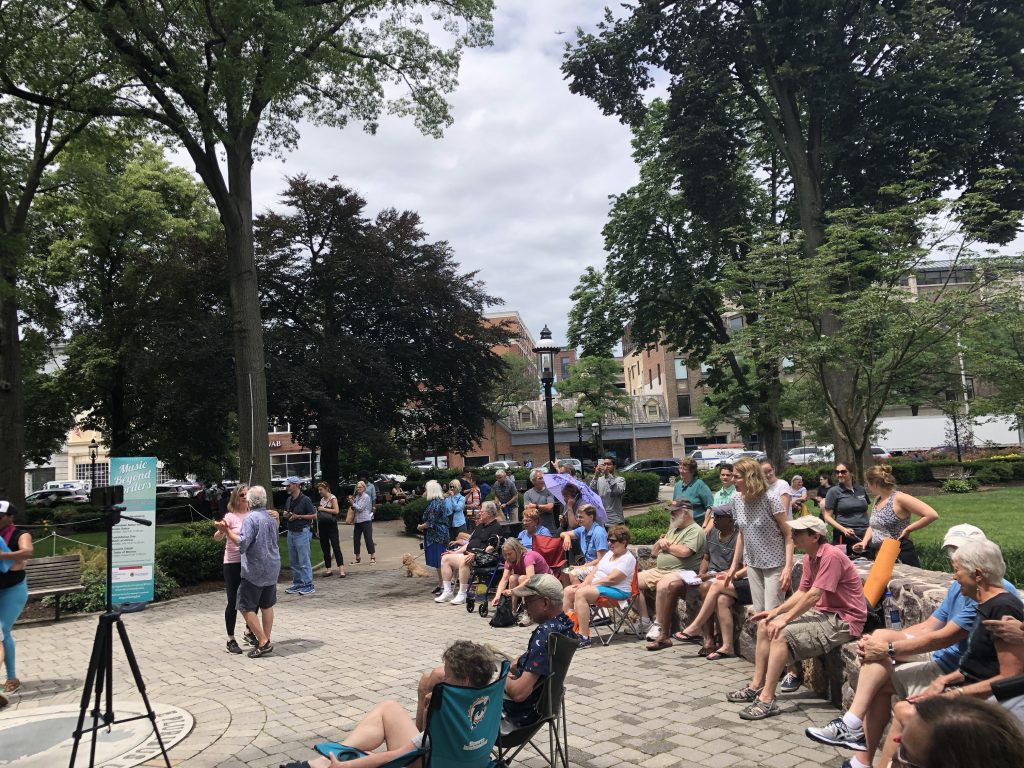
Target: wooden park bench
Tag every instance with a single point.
(56, 576)
(953, 471)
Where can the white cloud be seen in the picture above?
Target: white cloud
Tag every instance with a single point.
(519, 185)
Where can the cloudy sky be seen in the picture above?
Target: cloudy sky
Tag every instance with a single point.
(519, 185)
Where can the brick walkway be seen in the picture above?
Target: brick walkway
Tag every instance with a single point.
(368, 637)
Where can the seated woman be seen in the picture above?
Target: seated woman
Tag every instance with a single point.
(593, 542)
(717, 604)
(892, 516)
(611, 577)
(531, 527)
(520, 565)
(389, 725)
(398, 495)
(978, 567)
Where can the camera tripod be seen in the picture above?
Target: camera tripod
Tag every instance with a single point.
(99, 680)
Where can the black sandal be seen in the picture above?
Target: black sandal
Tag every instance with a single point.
(255, 653)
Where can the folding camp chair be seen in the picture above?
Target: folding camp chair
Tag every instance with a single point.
(612, 615)
(461, 729)
(512, 739)
(551, 549)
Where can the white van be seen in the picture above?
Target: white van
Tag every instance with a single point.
(82, 486)
(709, 458)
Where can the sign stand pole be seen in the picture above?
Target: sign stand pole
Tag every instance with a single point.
(100, 677)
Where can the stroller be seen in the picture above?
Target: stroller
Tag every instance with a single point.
(484, 575)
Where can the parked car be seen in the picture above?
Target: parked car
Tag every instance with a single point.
(177, 489)
(501, 464)
(426, 464)
(574, 463)
(755, 455)
(805, 454)
(663, 468)
(878, 453)
(55, 498)
(709, 457)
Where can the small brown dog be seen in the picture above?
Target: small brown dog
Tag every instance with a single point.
(413, 568)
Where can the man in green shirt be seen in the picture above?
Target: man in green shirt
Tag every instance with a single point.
(723, 495)
(680, 549)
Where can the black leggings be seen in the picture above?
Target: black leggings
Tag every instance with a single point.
(232, 578)
(328, 530)
(366, 530)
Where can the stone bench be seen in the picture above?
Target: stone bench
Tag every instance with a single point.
(917, 593)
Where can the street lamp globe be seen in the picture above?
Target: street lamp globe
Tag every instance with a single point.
(546, 350)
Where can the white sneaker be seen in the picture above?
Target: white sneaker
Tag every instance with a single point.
(655, 632)
(444, 597)
(643, 624)
(459, 599)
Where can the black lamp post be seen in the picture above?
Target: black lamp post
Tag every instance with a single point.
(313, 435)
(94, 450)
(546, 350)
(579, 435)
(596, 429)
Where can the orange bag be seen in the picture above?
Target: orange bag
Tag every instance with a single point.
(878, 578)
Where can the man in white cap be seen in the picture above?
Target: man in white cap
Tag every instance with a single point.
(889, 664)
(828, 610)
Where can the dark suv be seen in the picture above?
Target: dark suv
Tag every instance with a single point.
(663, 468)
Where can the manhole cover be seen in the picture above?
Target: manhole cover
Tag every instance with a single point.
(42, 737)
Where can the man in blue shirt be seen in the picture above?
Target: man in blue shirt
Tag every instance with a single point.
(889, 664)
(261, 565)
(300, 514)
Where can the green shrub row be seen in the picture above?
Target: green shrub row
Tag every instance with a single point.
(191, 559)
(934, 558)
(987, 471)
(94, 579)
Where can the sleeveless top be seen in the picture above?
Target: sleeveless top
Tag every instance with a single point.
(13, 578)
(885, 523)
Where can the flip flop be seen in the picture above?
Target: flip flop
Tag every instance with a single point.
(659, 645)
(720, 655)
(704, 651)
(685, 638)
(341, 752)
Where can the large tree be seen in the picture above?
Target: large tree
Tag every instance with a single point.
(132, 247)
(845, 98)
(230, 80)
(373, 331)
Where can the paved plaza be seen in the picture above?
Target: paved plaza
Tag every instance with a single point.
(367, 637)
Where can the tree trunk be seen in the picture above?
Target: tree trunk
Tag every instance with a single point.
(12, 403)
(247, 324)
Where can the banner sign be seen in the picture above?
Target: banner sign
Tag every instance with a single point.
(133, 545)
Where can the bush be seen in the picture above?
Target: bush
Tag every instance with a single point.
(388, 512)
(641, 487)
(412, 515)
(934, 558)
(655, 517)
(190, 560)
(94, 579)
(647, 536)
(202, 529)
(960, 485)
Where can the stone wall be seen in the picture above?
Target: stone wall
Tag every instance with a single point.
(917, 593)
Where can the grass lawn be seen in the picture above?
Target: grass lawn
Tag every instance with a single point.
(999, 514)
(48, 547)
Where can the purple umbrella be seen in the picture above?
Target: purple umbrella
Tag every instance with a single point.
(555, 484)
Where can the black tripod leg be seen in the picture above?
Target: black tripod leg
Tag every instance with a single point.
(141, 685)
(93, 677)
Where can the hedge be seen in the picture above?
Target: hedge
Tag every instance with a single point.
(641, 487)
(412, 514)
(648, 527)
(988, 471)
(191, 559)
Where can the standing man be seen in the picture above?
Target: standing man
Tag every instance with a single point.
(299, 514)
(539, 498)
(611, 489)
(261, 565)
(507, 495)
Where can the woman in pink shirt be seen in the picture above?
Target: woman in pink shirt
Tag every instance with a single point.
(520, 564)
(238, 508)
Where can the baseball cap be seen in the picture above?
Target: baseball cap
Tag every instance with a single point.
(293, 479)
(6, 508)
(541, 585)
(959, 535)
(722, 510)
(809, 523)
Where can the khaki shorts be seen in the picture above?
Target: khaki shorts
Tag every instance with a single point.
(815, 634)
(914, 677)
(648, 580)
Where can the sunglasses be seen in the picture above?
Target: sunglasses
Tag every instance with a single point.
(899, 761)
(842, 471)
(613, 541)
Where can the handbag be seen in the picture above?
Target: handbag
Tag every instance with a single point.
(503, 616)
(350, 517)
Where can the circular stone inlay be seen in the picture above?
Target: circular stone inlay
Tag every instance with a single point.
(42, 737)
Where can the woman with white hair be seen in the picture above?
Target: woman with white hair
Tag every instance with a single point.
(434, 528)
(362, 505)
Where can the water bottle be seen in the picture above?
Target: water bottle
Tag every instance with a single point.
(892, 613)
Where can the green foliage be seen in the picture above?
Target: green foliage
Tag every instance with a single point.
(641, 487)
(592, 383)
(597, 317)
(191, 560)
(960, 485)
(202, 529)
(412, 515)
(648, 527)
(388, 512)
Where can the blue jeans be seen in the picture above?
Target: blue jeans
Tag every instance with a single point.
(298, 558)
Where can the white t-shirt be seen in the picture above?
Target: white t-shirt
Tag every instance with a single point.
(625, 564)
(781, 488)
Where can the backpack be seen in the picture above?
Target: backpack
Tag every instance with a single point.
(503, 616)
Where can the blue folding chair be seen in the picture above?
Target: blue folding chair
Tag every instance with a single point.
(461, 730)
